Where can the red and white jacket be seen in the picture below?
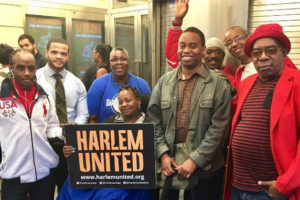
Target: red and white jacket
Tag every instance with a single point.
(26, 152)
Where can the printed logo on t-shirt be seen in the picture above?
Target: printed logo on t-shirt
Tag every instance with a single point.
(113, 104)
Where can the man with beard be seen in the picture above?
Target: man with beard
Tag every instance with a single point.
(190, 107)
(214, 56)
(27, 42)
(69, 94)
(214, 53)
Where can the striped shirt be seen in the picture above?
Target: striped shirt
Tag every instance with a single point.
(251, 150)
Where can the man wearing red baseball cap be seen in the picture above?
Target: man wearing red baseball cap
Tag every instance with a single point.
(264, 151)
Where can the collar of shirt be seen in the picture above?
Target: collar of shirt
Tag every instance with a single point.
(139, 121)
(248, 70)
(200, 71)
(26, 97)
(50, 71)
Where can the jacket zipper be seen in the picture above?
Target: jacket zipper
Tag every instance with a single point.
(32, 147)
(31, 137)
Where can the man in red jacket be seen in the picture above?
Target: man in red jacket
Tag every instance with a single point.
(264, 151)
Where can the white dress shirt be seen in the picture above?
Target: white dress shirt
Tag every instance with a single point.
(248, 70)
(74, 90)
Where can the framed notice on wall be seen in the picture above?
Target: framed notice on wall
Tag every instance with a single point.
(86, 35)
(42, 29)
(111, 155)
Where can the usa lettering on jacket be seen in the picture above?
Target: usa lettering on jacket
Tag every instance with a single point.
(7, 105)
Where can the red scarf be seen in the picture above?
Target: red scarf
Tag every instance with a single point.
(26, 97)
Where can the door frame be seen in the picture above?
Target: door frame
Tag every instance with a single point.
(137, 12)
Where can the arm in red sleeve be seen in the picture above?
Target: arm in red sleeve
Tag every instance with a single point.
(289, 182)
(172, 45)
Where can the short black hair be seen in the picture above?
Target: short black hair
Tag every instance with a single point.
(26, 36)
(58, 40)
(197, 31)
(133, 89)
(5, 51)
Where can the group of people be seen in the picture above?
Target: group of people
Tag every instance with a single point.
(37, 101)
(263, 144)
(205, 115)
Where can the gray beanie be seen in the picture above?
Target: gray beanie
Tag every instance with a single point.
(215, 42)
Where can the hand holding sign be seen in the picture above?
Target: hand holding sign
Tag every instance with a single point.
(68, 150)
(111, 155)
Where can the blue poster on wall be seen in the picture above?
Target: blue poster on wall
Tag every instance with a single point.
(86, 35)
(42, 29)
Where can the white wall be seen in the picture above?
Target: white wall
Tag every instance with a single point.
(12, 20)
(11, 27)
(213, 17)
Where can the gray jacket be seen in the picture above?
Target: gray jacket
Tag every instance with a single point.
(209, 117)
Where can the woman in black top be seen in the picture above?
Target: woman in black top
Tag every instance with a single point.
(101, 66)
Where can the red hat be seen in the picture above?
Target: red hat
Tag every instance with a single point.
(267, 31)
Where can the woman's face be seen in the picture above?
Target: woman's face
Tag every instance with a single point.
(97, 57)
(128, 104)
(119, 63)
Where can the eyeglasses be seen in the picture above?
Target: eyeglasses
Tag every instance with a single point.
(114, 60)
(269, 51)
(237, 39)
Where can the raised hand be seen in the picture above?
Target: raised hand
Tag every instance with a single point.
(180, 10)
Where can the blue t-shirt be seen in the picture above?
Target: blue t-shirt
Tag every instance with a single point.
(102, 98)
